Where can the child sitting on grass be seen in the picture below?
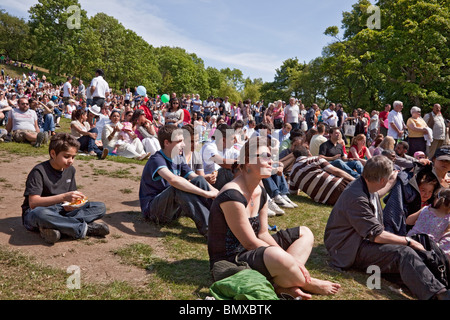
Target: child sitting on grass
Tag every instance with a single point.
(434, 220)
(51, 197)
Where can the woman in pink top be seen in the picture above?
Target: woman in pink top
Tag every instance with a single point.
(278, 115)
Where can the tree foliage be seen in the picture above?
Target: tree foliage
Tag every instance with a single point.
(407, 58)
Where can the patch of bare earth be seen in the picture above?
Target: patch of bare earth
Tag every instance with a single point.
(94, 256)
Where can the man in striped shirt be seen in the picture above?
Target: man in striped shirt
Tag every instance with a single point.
(316, 177)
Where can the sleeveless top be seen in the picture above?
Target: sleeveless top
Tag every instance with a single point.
(361, 153)
(222, 243)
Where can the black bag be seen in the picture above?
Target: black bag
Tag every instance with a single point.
(434, 258)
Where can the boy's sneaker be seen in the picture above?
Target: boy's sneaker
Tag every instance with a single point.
(270, 213)
(282, 202)
(39, 139)
(97, 229)
(285, 197)
(50, 235)
(275, 208)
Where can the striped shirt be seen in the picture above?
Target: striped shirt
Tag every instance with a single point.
(310, 176)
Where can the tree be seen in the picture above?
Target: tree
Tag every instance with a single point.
(16, 41)
(181, 72)
(407, 59)
(55, 41)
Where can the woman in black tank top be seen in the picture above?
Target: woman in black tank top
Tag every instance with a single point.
(238, 229)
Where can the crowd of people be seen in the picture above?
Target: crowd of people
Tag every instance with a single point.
(229, 166)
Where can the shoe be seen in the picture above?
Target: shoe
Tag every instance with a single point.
(46, 137)
(104, 153)
(58, 125)
(281, 202)
(97, 229)
(50, 235)
(286, 198)
(39, 140)
(270, 213)
(275, 208)
(92, 153)
(144, 156)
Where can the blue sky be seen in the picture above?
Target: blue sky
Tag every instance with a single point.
(253, 36)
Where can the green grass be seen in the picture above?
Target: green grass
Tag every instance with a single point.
(183, 272)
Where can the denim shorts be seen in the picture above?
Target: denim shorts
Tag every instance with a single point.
(255, 258)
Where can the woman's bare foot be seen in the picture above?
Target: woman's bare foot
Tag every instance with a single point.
(322, 287)
(294, 292)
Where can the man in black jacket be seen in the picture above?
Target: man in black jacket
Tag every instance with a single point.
(355, 236)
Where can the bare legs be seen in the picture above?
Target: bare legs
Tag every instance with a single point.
(288, 271)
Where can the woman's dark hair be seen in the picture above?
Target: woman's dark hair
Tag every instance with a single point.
(428, 177)
(114, 111)
(442, 196)
(171, 101)
(136, 114)
(76, 115)
(248, 151)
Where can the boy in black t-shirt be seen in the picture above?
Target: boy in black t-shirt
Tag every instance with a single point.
(52, 203)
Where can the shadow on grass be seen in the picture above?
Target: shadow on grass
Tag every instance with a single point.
(389, 283)
(133, 223)
(191, 272)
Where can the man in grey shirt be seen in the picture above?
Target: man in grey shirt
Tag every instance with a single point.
(355, 236)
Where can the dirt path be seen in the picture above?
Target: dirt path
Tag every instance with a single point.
(94, 256)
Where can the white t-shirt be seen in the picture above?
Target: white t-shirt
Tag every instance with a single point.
(208, 151)
(374, 122)
(101, 87)
(332, 122)
(373, 200)
(396, 118)
(67, 87)
(23, 120)
(314, 145)
(291, 113)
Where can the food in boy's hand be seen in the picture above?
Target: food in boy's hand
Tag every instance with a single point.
(76, 203)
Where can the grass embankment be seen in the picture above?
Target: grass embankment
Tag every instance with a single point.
(184, 273)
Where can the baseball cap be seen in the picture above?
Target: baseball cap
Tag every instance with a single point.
(443, 153)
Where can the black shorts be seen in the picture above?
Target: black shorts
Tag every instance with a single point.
(255, 258)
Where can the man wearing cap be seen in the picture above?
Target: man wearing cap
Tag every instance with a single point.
(99, 88)
(441, 165)
(97, 119)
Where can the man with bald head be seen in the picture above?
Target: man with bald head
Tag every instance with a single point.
(436, 122)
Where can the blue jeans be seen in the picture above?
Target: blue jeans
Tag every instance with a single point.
(172, 203)
(88, 143)
(276, 185)
(72, 224)
(349, 167)
(49, 123)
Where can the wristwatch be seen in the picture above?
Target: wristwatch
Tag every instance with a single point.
(408, 241)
